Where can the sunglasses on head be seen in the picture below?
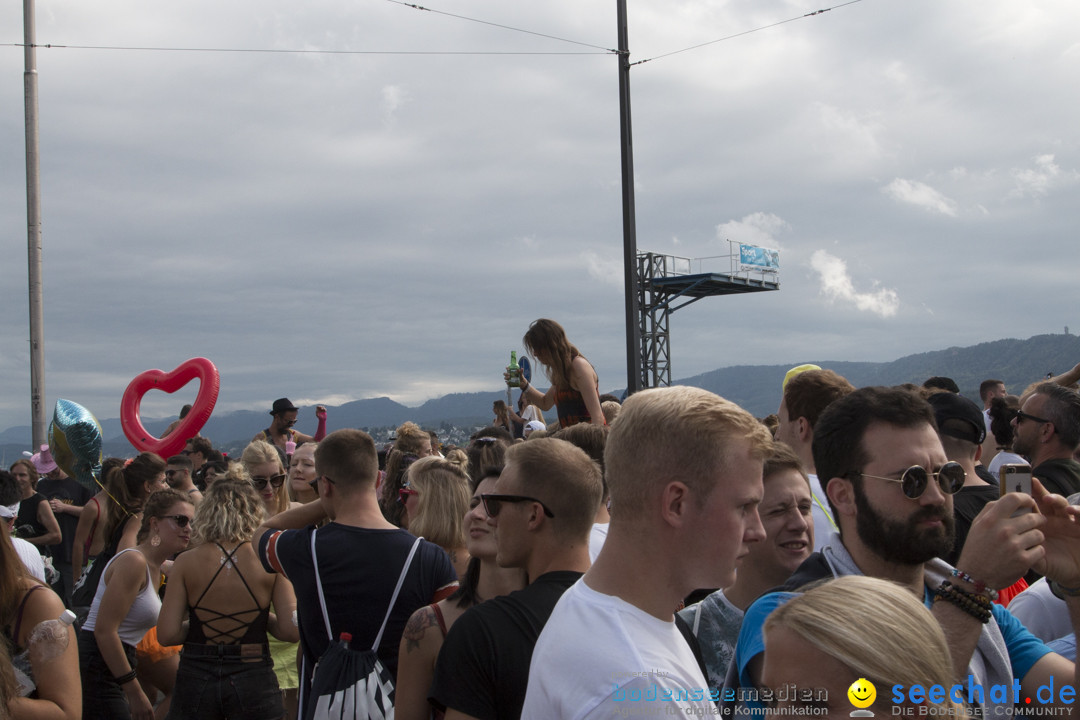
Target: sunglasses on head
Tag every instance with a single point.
(181, 521)
(914, 480)
(493, 503)
(276, 481)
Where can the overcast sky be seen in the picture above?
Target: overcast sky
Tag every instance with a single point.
(335, 225)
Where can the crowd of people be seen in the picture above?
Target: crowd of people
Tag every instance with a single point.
(671, 551)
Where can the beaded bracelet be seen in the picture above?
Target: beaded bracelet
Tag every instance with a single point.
(125, 678)
(967, 602)
(980, 586)
(977, 598)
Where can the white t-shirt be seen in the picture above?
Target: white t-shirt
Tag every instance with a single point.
(820, 512)
(529, 415)
(30, 557)
(599, 656)
(597, 536)
(1002, 458)
(1043, 613)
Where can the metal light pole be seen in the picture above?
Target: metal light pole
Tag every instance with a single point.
(33, 229)
(633, 332)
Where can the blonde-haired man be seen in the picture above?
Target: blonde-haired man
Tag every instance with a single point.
(684, 471)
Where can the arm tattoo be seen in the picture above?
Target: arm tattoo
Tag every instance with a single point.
(416, 627)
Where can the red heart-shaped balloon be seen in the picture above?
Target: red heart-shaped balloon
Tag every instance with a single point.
(170, 382)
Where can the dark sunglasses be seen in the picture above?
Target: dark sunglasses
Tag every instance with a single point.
(914, 480)
(275, 481)
(181, 521)
(404, 492)
(314, 484)
(493, 503)
(1021, 416)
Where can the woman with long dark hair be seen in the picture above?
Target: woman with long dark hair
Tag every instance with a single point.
(574, 390)
(24, 604)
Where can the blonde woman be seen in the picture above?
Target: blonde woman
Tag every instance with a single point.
(265, 471)
(262, 465)
(424, 633)
(858, 627)
(218, 605)
(436, 498)
(302, 474)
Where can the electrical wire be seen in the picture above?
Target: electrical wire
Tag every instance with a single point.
(505, 27)
(745, 32)
(52, 46)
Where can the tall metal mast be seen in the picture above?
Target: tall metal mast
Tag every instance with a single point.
(33, 229)
(630, 280)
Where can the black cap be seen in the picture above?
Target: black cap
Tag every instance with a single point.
(283, 405)
(950, 406)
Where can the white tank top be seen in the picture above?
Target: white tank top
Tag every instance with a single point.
(143, 614)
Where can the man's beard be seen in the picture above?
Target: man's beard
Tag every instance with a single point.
(904, 543)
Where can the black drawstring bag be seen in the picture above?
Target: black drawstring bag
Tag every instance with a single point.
(352, 684)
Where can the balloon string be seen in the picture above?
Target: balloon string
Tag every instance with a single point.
(106, 491)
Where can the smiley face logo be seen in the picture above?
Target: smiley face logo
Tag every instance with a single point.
(862, 693)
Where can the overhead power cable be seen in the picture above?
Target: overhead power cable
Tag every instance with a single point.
(745, 32)
(286, 51)
(505, 27)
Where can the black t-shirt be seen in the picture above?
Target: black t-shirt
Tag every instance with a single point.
(1061, 476)
(483, 667)
(70, 492)
(967, 503)
(359, 568)
(26, 522)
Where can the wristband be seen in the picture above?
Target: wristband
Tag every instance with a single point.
(125, 678)
(1069, 592)
(980, 586)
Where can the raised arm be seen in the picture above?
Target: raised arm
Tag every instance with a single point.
(52, 534)
(1059, 562)
(292, 519)
(1000, 549)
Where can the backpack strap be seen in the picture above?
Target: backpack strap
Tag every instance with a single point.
(393, 598)
(318, 586)
(397, 589)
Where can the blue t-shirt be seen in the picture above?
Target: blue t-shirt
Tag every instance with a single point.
(1024, 648)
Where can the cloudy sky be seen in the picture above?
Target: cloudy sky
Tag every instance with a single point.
(385, 212)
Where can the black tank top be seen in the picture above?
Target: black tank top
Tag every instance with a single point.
(217, 628)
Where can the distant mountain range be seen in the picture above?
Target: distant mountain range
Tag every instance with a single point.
(756, 388)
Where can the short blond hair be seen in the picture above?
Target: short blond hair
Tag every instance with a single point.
(564, 478)
(443, 500)
(675, 433)
(875, 627)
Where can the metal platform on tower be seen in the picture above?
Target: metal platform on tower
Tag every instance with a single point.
(667, 283)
